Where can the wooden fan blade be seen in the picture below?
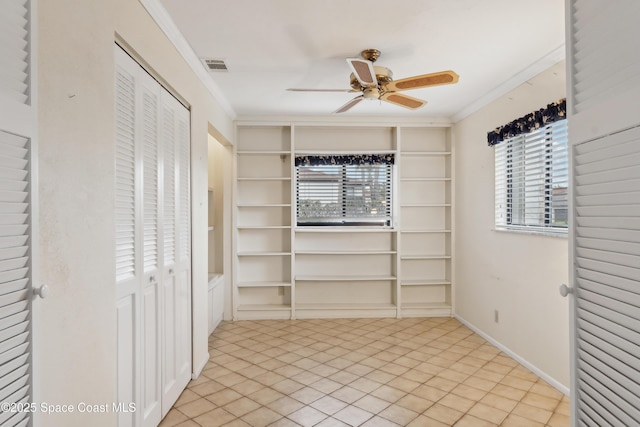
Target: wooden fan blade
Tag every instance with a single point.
(425, 80)
(403, 100)
(320, 90)
(364, 72)
(349, 104)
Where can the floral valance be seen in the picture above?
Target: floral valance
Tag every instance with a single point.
(345, 159)
(544, 116)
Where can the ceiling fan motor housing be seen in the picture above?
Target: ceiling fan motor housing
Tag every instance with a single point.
(383, 75)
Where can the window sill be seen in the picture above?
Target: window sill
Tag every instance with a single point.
(534, 232)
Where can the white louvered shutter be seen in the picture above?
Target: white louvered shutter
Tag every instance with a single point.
(150, 184)
(184, 230)
(607, 275)
(15, 274)
(604, 54)
(18, 126)
(169, 182)
(14, 51)
(125, 177)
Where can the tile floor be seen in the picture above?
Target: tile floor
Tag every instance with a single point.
(362, 372)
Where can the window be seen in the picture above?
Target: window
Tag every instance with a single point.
(345, 190)
(532, 179)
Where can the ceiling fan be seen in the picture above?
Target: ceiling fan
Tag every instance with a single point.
(377, 82)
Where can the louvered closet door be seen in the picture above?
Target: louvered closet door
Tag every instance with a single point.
(17, 206)
(176, 280)
(607, 281)
(127, 211)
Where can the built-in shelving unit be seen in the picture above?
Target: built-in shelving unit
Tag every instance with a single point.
(425, 223)
(285, 271)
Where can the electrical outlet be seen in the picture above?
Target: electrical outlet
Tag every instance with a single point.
(496, 316)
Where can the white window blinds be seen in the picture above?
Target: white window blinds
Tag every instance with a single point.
(343, 190)
(531, 180)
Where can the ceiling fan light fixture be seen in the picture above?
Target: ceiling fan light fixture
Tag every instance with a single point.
(371, 93)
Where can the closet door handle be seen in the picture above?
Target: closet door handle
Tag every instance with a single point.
(42, 291)
(565, 290)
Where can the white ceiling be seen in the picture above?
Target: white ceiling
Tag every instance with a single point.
(272, 45)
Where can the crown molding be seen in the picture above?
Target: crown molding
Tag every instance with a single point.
(556, 55)
(166, 24)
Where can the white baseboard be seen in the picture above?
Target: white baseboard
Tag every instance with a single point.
(554, 383)
(196, 373)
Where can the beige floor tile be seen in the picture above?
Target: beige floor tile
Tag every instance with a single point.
(173, 418)
(558, 420)
(241, 406)
(197, 407)
(215, 418)
(307, 395)
(422, 421)
(398, 414)
(488, 413)
(371, 404)
(389, 394)
(517, 421)
(539, 401)
(265, 396)
(471, 421)
(415, 403)
(499, 402)
(248, 387)
(443, 414)
(284, 422)
(456, 402)
(331, 422)
(532, 413)
(307, 416)
(369, 372)
(353, 415)
(261, 417)
(285, 405)
(329, 405)
(348, 394)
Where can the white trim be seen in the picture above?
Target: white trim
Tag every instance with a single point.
(337, 120)
(196, 372)
(548, 60)
(166, 24)
(553, 382)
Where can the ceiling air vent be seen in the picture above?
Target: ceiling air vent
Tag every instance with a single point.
(215, 65)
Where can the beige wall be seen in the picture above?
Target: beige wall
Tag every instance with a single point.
(516, 274)
(75, 338)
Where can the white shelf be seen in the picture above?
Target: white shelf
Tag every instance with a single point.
(299, 229)
(264, 205)
(424, 231)
(262, 152)
(210, 228)
(262, 178)
(426, 179)
(263, 307)
(325, 278)
(263, 284)
(305, 252)
(425, 282)
(416, 257)
(253, 254)
(263, 227)
(426, 153)
(424, 305)
(330, 306)
(426, 205)
(341, 152)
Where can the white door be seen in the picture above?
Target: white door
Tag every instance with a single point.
(604, 134)
(153, 264)
(18, 126)
(176, 276)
